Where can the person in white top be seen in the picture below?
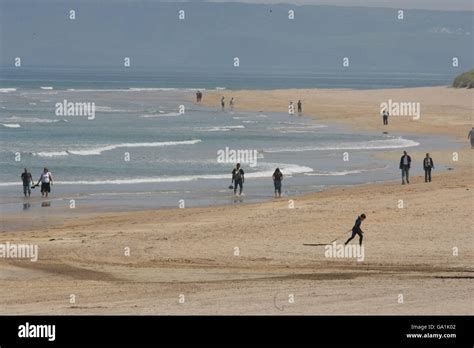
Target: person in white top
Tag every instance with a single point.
(46, 180)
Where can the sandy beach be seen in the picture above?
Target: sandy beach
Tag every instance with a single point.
(250, 258)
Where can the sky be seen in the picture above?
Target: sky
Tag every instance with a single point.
(441, 5)
(212, 35)
(437, 5)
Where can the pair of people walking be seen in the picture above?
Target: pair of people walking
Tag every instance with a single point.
(46, 180)
(238, 179)
(198, 96)
(291, 108)
(405, 165)
(231, 104)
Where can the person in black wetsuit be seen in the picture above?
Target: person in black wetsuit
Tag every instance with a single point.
(356, 229)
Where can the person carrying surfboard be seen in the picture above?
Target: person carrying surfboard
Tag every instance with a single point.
(238, 178)
(356, 229)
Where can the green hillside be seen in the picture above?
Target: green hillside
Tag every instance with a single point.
(465, 80)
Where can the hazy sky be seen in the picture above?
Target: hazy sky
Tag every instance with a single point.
(451, 5)
(213, 34)
(440, 5)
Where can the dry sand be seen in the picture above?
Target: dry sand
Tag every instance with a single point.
(191, 252)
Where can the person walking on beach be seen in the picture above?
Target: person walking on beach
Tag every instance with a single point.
(277, 179)
(198, 96)
(471, 136)
(291, 108)
(222, 103)
(300, 108)
(46, 180)
(405, 163)
(427, 166)
(27, 181)
(357, 230)
(385, 115)
(231, 104)
(238, 178)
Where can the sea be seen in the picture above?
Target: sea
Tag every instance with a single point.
(149, 146)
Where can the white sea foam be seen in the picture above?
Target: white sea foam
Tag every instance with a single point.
(396, 143)
(152, 89)
(288, 169)
(135, 89)
(51, 154)
(7, 90)
(47, 88)
(98, 150)
(218, 128)
(300, 129)
(169, 114)
(11, 125)
(108, 109)
(343, 172)
(33, 120)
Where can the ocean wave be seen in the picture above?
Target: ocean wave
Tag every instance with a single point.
(133, 89)
(218, 128)
(366, 145)
(47, 88)
(343, 172)
(169, 114)
(11, 125)
(7, 90)
(295, 123)
(299, 129)
(98, 150)
(287, 169)
(33, 120)
(108, 109)
(51, 154)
